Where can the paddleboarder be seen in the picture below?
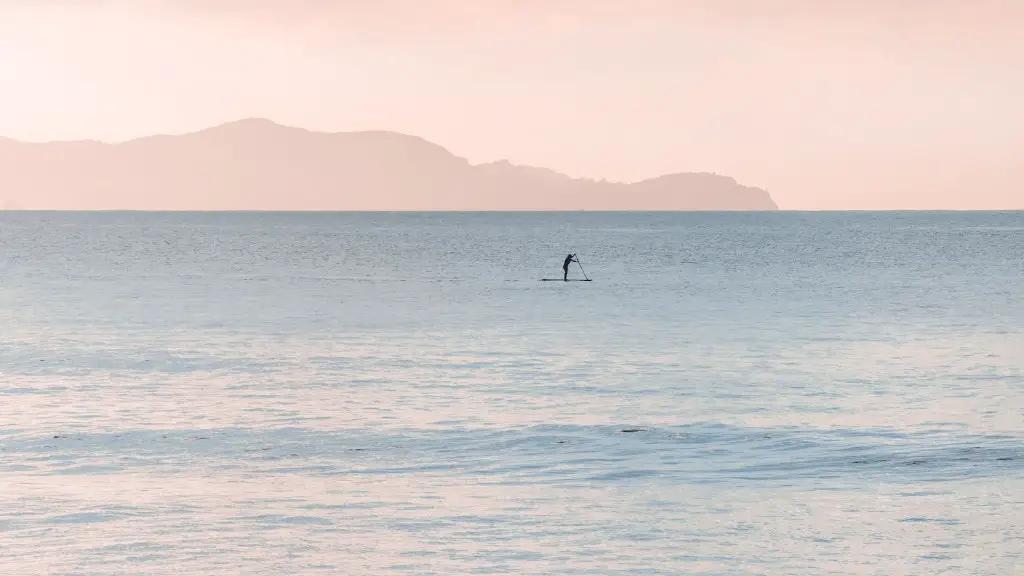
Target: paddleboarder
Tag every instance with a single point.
(565, 266)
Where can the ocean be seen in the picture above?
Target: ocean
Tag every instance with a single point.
(399, 393)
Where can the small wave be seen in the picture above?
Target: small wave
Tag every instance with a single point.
(700, 453)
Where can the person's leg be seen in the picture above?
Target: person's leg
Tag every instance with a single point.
(565, 273)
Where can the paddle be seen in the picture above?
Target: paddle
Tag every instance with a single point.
(581, 267)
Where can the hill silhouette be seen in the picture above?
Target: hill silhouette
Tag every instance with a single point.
(257, 164)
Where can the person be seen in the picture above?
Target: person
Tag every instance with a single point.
(565, 266)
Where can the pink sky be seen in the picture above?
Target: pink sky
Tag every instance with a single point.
(828, 105)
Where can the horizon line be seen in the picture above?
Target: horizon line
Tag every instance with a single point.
(522, 211)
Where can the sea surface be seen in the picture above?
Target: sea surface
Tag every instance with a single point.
(733, 394)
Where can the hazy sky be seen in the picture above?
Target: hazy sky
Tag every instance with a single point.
(853, 104)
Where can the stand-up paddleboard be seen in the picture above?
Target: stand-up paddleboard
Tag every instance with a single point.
(565, 268)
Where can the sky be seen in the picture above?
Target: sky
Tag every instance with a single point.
(869, 104)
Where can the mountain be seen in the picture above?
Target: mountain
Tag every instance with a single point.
(259, 165)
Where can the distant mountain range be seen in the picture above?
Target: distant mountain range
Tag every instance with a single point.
(260, 165)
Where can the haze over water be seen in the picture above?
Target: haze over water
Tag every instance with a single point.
(298, 393)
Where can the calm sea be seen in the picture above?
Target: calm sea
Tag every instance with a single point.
(744, 393)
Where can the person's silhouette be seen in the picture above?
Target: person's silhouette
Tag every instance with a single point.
(565, 266)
